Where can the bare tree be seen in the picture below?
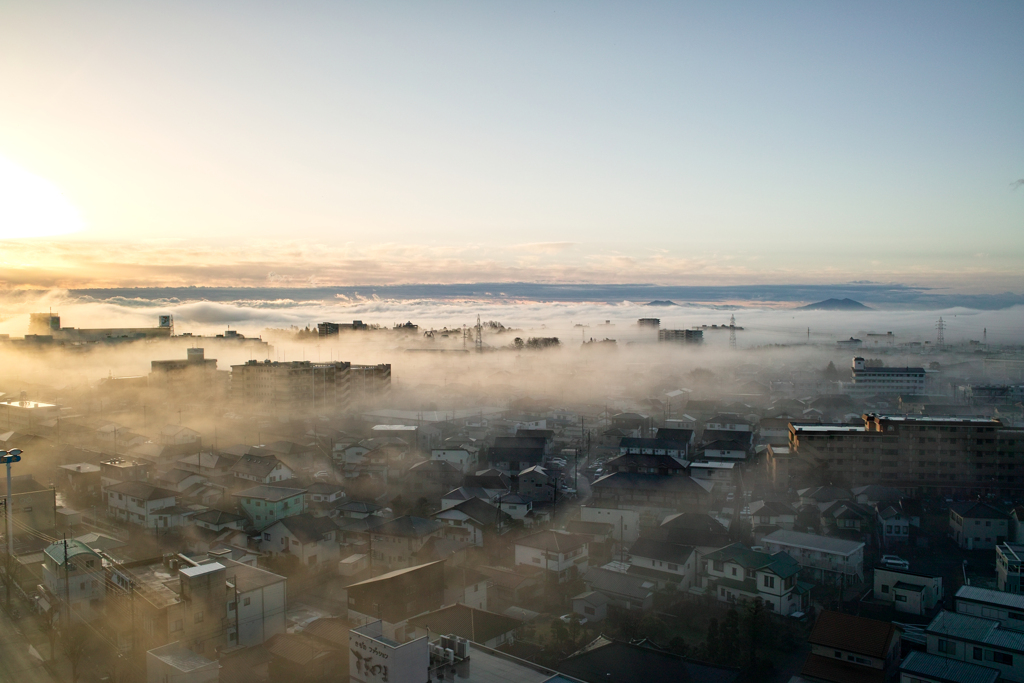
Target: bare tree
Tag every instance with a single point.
(74, 643)
(49, 625)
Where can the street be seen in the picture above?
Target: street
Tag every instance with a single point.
(17, 665)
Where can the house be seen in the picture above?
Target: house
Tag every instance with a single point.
(1009, 560)
(591, 605)
(723, 477)
(462, 585)
(264, 504)
(79, 478)
(651, 492)
(536, 483)
(977, 641)
(737, 573)
(874, 494)
(490, 480)
(779, 464)
(179, 480)
(664, 563)
(563, 556)
(464, 493)
(728, 423)
(845, 516)
(465, 458)
(702, 531)
(396, 597)
(479, 626)
(207, 464)
(625, 523)
(313, 540)
(323, 498)
(1006, 608)
(626, 591)
(925, 668)
(261, 469)
(431, 478)
(772, 513)
(136, 502)
(909, 592)
(823, 494)
(210, 528)
(663, 444)
(894, 520)
(823, 558)
(395, 543)
(116, 470)
(846, 648)
(73, 572)
(515, 454)
(514, 505)
(471, 520)
(976, 525)
(508, 586)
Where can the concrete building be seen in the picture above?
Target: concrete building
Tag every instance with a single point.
(27, 417)
(73, 575)
(34, 505)
(303, 387)
(175, 662)
(921, 456)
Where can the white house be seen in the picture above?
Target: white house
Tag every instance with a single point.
(721, 475)
(465, 458)
(909, 592)
(313, 540)
(135, 502)
(1005, 608)
(736, 573)
(625, 523)
(663, 562)
(564, 556)
(80, 578)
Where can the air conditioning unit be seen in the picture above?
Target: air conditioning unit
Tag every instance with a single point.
(449, 655)
(462, 648)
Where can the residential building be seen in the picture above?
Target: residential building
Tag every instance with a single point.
(766, 514)
(261, 469)
(626, 591)
(664, 562)
(264, 505)
(727, 450)
(394, 543)
(116, 470)
(591, 605)
(323, 498)
(431, 478)
(517, 453)
(137, 502)
(563, 556)
(604, 660)
(822, 558)
(73, 575)
(920, 455)
(625, 524)
(208, 464)
(80, 479)
(396, 597)
(894, 521)
(1009, 560)
(465, 458)
(294, 387)
(882, 381)
(536, 483)
(661, 445)
(472, 520)
(646, 463)
(977, 641)
(909, 592)
(977, 525)
(736, 573)
(723, 477)
(312, 540)
(681, 336)
(651, 492)
(847, 648)
(779, 464)
(1006, 608)
(34, 505)
(845, 516)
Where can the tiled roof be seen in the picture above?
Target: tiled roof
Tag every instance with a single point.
(977, 510)
(269, 493)
(661, 550)
(307, 528)
(140, 490)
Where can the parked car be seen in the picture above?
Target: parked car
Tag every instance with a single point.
(566, 618)
(894, 562)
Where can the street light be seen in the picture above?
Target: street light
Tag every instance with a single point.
(8, 457)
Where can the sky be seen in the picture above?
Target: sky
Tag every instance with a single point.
(246, 143)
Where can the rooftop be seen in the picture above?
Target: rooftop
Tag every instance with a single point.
(553, 541)
(946, 670)
(991, 597)
(269, 493)
(827, 544)
(864, 636)
(477, 625)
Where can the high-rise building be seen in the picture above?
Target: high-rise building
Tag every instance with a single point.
(272, 387)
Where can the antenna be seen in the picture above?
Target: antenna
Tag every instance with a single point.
(479, 336)
(732, 332)
(941, 327)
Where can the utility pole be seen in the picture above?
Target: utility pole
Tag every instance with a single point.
(9, 457)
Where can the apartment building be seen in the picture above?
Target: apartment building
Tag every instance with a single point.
(265, 505)
(1006, 608)
(977, 641)
(137, 502)
(976, 525)
(920, 456)
(880, 381)
(272, 387)
(823, 558)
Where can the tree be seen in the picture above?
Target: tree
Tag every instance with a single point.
(49, 626)
(831, 374)
(575, 630)
(11, 571)
(74, 643)
(712, 642)
(559, 634)
(518, 343)
(756, 627)
(729, 636)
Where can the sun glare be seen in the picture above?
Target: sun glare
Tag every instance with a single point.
(31, 206)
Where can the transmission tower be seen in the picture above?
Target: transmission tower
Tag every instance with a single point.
(479, 336)
(732, 332)
(941, 327)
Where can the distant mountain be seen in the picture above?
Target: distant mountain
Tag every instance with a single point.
(662, 303)
(836, 305)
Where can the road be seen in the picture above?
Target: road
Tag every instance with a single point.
(16, 664)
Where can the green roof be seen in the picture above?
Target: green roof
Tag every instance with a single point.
(55, 551)
(741, 555)
(746, 585)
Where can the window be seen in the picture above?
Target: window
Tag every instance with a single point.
(999, 657)
(734, 571)
(839, 655)
(947, 647)
(901, 598)
(977, 653)
(177, 626)
(768, 581)
(885, 589)
(245, 603)
(266, 536)
(718, 566)
(198, 618)
(536, 560)
(673, 567)
(231, 607)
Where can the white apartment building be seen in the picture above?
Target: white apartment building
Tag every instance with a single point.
(823, 558)
(870, 381)
(137, 502)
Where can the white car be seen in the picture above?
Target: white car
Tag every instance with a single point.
(566, 618)
(894, 562)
